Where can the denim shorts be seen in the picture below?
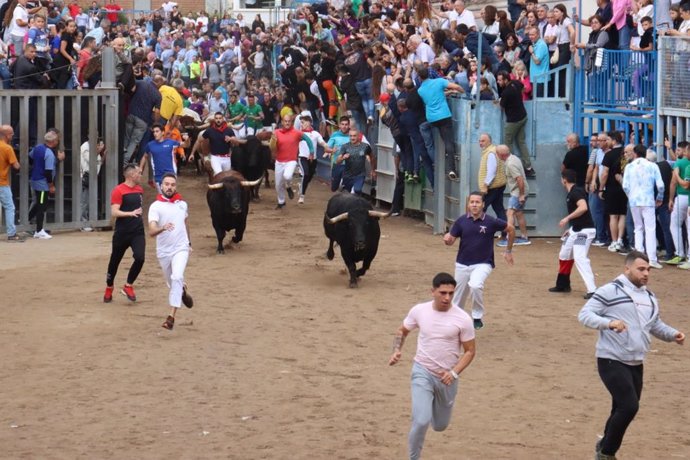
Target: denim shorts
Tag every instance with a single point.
(514, 203)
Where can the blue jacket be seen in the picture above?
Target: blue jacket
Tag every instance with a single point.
(611, 302)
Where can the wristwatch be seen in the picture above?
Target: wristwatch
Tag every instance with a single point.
(454, 374)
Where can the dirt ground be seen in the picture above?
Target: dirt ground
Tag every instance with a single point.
(278, 359)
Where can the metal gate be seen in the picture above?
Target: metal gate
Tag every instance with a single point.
(79, 116)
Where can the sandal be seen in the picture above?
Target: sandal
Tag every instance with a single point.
(169, 323)
(15, 239)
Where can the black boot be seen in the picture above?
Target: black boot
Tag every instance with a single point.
(562, 284)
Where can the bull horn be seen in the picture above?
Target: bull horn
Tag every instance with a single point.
(215, 186)
(336, 219)
(251, 183)
(380, 214)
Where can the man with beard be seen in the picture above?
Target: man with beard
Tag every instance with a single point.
(168, 223)
(220, 136)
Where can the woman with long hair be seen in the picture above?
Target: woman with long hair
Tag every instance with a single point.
(488, 14)
(565, 42)
(530, 21)
(65, 59)
(505, 27)
(513, 50)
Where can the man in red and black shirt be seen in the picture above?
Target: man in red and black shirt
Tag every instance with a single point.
(126, 202)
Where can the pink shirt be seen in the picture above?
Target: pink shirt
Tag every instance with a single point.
(440, 335)
(620, 9)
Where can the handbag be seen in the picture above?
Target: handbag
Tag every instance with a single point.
(556, 54)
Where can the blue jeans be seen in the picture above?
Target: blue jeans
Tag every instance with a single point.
(419, 151)
(629, 228)
(624, 35)
(664, 218)
(364, 90)
(8, 205)
(445, 128)
(428, 138)
(596, 208)
(353, 184)
(432, 404)
(5, 76)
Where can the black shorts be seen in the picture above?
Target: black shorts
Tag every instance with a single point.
(615, 202)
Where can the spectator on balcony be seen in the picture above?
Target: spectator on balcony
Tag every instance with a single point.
(539, 61)
(645, 44)
(512, 49)
(640, 9)
(530, 20)
(65, 60)
(542, 18)
(359, 67)
(19, 27)
(471, 39)
(565, 43)
(491, 27)
(101, 32)
(5, 74)
(598, 38)
(520, 74)
(621, 8)
(684, 28)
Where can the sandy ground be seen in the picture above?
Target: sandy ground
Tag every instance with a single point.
(278, 359)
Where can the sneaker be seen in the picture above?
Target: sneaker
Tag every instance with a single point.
(530, 172)
(624, 250)
(656, 265)
(614, 246)
(599, 244)
(502, 243)
(522, 241)
(280, 206)
(675, 260)
(15, 239)
(290, 192)
(588, 295)
(452, 175)
(108, 296)
(684, 265)
(186, 298)
(395, 213)
(560, 289)
(42, 235)
(301, 199)
(87, 229)
(128, 291)
(370, 119)
(169, 323)
(478, 323)
(416, 179)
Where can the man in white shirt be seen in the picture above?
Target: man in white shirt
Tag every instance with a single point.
(84, 170)
(168, 223)
(420, 51)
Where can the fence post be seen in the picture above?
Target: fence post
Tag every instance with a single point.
(660, 68)
(439, 183)
(108, 75)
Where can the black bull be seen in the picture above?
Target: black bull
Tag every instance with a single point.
(351, 221)
(252, 160)
(228, 198)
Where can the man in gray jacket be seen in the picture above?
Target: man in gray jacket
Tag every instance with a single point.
(626, 315)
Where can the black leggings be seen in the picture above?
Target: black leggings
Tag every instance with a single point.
(121, 242)
(40, 206)
(625, 385)
(308, 169)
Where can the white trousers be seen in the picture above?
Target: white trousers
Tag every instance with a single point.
(173, 272)
(644, 218)
(678, 216)
(470, 279)
(219, 164)
(576, 246)
(283, 179)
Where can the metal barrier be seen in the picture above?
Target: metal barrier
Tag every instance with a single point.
(79, 116)
(673, 87)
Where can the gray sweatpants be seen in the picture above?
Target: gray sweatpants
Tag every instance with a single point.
(432, 403)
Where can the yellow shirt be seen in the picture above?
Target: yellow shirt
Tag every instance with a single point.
(171, 102)
(7, 159)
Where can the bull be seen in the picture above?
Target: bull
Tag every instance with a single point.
(252, 159)
(351, 221)
(228, 200)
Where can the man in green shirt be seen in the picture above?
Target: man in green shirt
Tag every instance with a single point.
(678, 203)
(237, 114)
(255, 115)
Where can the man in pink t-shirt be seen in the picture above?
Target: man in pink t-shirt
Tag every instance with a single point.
(443, 329)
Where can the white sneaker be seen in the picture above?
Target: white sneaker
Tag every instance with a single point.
(87, 229)
(42, 235)
(684, 265)
(613, 247)
(301, 199)
(656, 265)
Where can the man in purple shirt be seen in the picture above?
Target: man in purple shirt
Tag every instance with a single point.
(475, 259)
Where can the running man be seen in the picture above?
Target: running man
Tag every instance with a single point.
(168, 223)
(438, 362)
(285, 146)
(162, 153)
(126, 201)
(577, 239)
(220, 136)
(307, 159)
(626, 313)
(475, 259)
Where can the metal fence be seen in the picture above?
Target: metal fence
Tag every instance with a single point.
(674, 74)
(79, 116)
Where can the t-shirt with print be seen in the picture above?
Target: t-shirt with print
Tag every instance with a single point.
(129, 199)
(355, 165)
(440, 335)
(476, 238)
